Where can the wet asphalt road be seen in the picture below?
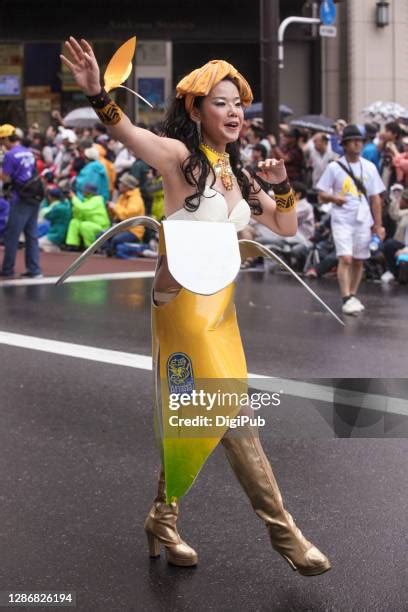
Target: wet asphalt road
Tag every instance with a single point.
(78, 459)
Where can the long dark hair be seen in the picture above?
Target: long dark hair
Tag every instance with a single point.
(196, 167)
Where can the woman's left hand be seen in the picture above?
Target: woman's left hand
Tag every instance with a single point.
(272, 171)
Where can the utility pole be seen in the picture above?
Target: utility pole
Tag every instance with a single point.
(269, 22)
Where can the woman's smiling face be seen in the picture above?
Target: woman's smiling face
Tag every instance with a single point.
(221, 114)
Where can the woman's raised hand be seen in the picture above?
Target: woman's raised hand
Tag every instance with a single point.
(272, 171)
(83, 65)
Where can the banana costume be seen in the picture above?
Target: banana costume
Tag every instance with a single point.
(196, 343)
(197, 350)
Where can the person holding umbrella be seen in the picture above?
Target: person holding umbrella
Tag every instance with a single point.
(195, 331)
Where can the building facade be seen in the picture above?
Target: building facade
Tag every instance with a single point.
(336, 76)
(366, 62)
(173, 38)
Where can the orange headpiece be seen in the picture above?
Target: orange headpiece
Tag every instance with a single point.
(200, 82)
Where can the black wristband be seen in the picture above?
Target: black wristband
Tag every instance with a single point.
(100, 100)
(280, 188)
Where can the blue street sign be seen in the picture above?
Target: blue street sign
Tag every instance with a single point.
(328, 12)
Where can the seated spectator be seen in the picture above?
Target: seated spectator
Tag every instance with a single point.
(58, 215)
(324, 251)
(401, 164)
(299, 244)
(65, 157)
(50, 150)
(124, 158)
(398, 210)
(93, 173)
(109, 167)
(89, 217)
(129, 204)
(4, 211)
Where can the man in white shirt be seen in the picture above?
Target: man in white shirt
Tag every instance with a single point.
(356, 213)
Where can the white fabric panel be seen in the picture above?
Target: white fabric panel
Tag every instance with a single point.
(203, 256)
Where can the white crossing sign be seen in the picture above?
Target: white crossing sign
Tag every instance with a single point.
(329, 31)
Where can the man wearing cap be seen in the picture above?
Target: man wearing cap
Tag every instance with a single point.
(89, 217)
(18, 168)
(353, 185)
(93, 172)
(129, 204)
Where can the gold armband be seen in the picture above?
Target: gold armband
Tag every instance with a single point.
(110, 114)
(285, 202)
(107, 110)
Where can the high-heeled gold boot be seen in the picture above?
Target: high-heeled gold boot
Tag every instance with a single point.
(252, 468)
(160, 527)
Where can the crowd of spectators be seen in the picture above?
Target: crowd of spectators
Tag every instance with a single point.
(307, 154)
(91, 181)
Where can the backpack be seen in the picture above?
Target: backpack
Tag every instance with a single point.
(32, 191)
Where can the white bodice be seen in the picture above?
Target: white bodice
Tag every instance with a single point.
(213, 207)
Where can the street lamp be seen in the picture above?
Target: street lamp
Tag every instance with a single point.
(382, 14)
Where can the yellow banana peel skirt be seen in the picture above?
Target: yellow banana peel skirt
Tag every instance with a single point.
(196, 348)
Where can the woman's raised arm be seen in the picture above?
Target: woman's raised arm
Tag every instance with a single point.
(157, 151)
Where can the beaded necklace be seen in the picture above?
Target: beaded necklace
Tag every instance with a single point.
(220, 164)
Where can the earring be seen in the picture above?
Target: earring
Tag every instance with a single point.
(198, 126)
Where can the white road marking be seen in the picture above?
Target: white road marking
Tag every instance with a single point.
(81, 351)
(324, 393)
(51, 280)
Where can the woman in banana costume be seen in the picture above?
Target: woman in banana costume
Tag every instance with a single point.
(196, 339)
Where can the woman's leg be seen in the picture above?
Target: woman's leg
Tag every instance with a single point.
(160, 527)
(253, 470)
(121, 238)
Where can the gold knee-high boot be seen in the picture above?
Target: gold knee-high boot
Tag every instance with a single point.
(253, 470)
(160, 527)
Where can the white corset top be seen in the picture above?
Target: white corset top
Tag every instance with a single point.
(213, 207)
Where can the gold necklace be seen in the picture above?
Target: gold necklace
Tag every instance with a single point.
(220, 164)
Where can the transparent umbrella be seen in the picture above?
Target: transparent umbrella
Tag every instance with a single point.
(385, 111)
(84, 117)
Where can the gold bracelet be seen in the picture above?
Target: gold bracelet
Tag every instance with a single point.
(107, 110)
(285, 202)
(110, 114)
